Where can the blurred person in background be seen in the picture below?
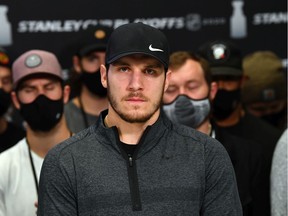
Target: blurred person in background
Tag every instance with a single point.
(10, 133)
(264, 93)
(225, 60)
(39, 94)
(89, 97)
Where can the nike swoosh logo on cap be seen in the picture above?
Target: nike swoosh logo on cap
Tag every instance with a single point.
(155, 49)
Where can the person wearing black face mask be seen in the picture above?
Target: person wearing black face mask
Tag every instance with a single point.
(264, 94)
(89, 97)
(39, 95)
(10, 133)
(225, 60)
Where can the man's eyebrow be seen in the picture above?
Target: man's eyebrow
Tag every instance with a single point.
(25, 85)
(154, 65)
(120, 62)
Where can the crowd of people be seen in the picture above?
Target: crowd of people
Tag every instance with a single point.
(139, 130)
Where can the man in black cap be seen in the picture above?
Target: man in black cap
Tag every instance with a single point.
(225, 60)
(89, 97)
(10, 133)
(134, 160)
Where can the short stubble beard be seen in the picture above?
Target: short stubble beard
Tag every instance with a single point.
(133, 118)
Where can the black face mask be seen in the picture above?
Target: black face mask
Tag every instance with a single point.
(5, 101)
(43, 113)
(93, 82)
(225, 103)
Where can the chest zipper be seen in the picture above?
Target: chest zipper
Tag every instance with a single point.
(133, 183)
(132, 170)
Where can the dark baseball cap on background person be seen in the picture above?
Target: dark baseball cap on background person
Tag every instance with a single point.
(35, 62)
(138, 38)
(94, 38)
(223, 56)
(4, 58)
(266, 80)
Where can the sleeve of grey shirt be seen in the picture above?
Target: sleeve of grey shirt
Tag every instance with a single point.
(221, 193)
(279, 178)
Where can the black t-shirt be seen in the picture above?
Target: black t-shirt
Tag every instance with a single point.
(129, 148)
(266, 137)
(11, 136)
(247, 160)
(254, 128)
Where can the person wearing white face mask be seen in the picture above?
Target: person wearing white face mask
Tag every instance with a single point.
(188, 100)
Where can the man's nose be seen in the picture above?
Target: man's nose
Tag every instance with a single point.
(136, 80)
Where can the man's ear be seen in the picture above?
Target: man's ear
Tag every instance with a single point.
(76, 64)
(167, 79)
(15, 100)
(66, 94)
(213, 90)
(103, 71)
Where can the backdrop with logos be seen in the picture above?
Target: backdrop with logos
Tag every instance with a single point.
(53, 25)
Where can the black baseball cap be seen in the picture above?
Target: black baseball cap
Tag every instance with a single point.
(94, 38)
(138, 38)
(223, 56)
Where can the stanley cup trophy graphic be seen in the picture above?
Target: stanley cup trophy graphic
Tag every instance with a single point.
(5, 27)
(238, 22)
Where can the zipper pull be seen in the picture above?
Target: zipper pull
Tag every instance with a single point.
(130, 160)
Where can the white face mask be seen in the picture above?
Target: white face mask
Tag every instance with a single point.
(187, 111)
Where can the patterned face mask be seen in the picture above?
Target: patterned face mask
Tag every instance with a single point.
(187, 111)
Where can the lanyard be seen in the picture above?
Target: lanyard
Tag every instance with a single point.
(33, 168)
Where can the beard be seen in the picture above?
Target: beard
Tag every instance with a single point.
(137, 114)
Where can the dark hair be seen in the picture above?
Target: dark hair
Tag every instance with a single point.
(179, 58)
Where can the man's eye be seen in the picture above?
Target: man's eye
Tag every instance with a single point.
(28, 90)
(92, 58)
(50, 87)
(123, 69)
(7, 81)
(150, 71)
(171, 90)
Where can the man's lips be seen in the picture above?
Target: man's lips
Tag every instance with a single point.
(135, 99)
